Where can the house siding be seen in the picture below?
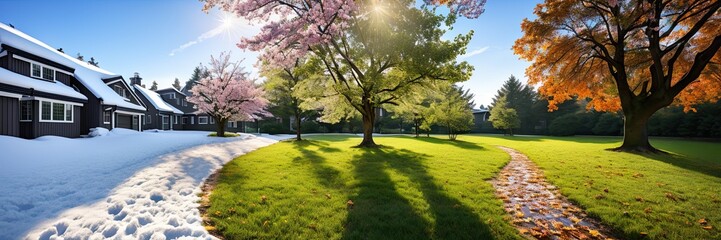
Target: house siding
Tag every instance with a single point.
(70, 130)
(92, 111)
(9, 116)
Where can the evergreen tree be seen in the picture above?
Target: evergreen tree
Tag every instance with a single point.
(199, 73)
(520, 97)
(176, 84)
(154, 87)
(80, 57)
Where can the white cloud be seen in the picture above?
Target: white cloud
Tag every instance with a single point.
(473, 53)
(209, 34)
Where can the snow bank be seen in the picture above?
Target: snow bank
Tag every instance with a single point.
(126, 184)
(98, 131)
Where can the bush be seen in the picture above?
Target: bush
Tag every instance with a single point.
(274, 128)
(565, 125)
(608, 124)
(227, 134)
(309, 127)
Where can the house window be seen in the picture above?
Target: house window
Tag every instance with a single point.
(120, 90)
(166, 119)
(107, 117)
(176, 120)
(212, 120)
(203, 120)
(48, 74)
(192, 120)
(46, 109)
(36, 71)
(184, 102)
(148, 119)
(26, 111)
(185, 120)
(231, 124)
(56, 112)
(169, 95)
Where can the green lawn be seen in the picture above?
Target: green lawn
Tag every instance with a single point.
(434, 188)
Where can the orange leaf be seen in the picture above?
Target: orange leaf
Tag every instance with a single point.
(708, 227)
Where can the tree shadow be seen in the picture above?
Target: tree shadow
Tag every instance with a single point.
(327, 176)
(380, 212)
(684, 162)
(457, 143)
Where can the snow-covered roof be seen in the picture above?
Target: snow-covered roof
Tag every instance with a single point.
(90, 76)
(172, 88)
(156, 100)
(18, 80)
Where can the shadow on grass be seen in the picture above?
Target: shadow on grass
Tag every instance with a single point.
(380, 212)
(684, 162)
(456, 143)
(327, 176)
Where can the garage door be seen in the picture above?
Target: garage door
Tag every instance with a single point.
(124, 121)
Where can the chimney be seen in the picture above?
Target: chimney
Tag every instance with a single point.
(136, 79)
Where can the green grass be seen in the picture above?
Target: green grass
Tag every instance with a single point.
(226, 134)
(409, 189)
(434, 188)
(663, 196)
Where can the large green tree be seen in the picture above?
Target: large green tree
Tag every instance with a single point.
(385, 52)
(282, 88)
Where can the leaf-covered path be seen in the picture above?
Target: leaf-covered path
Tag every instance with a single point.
(537, 208)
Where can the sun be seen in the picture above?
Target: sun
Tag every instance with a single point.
(227, 20)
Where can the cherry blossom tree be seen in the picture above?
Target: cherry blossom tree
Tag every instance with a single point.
(227, 94)
(361, 44)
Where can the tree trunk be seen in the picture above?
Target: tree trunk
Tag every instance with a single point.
(221, 127)
(297, 126)
(369, 117)
(635, 134)
(416, 125)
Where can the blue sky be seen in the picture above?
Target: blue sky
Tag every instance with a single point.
(166, 39)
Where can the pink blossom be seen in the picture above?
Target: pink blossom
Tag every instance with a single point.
(227, 94)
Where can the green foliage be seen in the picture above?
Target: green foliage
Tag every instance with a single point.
(504, 117)
(520, 97)
(176, 84)
(381, 59)
(565, 125)
(608, 124)
(310, 127)
(412, 188)
(154, 87)
(274, 128)
(452, 110)
(227, 134)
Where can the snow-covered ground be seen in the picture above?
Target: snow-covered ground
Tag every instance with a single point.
(122, 185)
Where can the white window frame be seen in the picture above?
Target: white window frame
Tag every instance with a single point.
(22, 114)
(212, 120)
(110, 116)
(166, 119)
(200, 118)
(192, 120)
(148, 119)
(65, 112)
(184, 102)
(122, 92)
(231, 124)
(55, 70)
(175, 119)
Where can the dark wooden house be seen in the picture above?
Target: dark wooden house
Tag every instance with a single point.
(160, 114)
(46, 92)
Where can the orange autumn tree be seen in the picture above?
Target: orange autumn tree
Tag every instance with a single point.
(636, 56)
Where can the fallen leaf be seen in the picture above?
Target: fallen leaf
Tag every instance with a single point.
(575, 220)
(702, 221)
(263, 198)
(520, 214)
(594, 233)
(349, 204)
(647, 210)
(707, 227)
(327, 195)
(605, 190)
(639, 199)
